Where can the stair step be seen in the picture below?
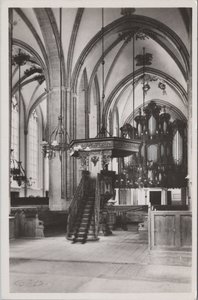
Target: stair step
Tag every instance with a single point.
(90, 234)
(84, 220)
(83, 228)
(91, 227)
(81, 234)
(83, 224)
(87, 213)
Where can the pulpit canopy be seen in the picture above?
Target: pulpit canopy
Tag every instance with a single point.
(118, 147)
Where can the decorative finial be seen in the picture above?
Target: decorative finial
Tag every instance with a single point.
(127, 12)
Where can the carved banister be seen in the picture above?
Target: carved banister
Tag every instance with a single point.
(97, 205)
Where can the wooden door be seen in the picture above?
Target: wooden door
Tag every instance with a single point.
(155, 197)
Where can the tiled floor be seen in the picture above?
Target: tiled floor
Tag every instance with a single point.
(115, 264)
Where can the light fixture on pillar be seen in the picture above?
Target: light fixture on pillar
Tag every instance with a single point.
(17, 172)
(58, 140)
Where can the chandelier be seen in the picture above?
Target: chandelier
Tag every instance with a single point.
(58, 140)
(17, 172)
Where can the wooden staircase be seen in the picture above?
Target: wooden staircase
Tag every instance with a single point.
(83, 218)
(84, 229)
(84, 210)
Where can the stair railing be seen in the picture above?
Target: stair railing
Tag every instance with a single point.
(75, 204)
(97, 205)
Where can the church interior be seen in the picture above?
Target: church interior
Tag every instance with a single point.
(101, 125)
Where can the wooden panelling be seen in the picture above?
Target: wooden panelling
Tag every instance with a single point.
(133, 213)
(164, 226)
(186, 230)
(170, 230)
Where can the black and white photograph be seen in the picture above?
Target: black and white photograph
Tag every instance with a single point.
(99, 149)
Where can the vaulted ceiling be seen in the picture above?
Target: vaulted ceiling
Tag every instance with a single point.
(166, 37)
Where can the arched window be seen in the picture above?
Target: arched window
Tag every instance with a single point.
(33, 148)
(15, 129)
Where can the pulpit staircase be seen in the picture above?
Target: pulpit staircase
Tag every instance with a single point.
(84, 228)
(83, 217)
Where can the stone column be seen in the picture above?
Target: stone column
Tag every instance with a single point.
(52, 59)
(55, 200)
(71, 128)
(64, 156)
(10, 76)
(25, 160)
(190, 157)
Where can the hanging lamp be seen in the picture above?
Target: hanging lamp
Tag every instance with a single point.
(17, 172)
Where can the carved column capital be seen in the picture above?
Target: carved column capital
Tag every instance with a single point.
(84, 160)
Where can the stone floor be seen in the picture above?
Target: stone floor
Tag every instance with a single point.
(116, 264)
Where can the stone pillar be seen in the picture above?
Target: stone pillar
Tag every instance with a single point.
(74, 119)
(190, 149)
(66, 183)
(10, 95)
(71, 174)
(52, 57)
(189, 152)
(25, 160)
(55, 200)
(190, 159)
(64, 157)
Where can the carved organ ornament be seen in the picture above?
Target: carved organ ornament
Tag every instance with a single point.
(162, 157)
